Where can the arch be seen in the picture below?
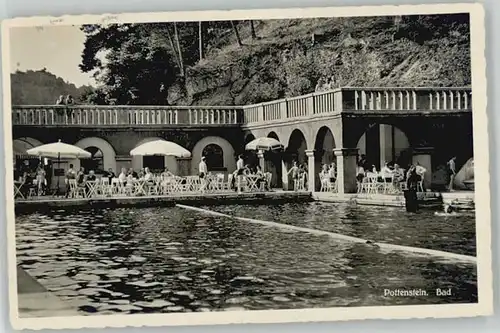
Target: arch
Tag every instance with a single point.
(324, 145)
(21, 145)
(273, 163)
(95, 162)
(297, 145)
(382, 143)
(227, 150)
(214, 157)
(108, 152)
(249, 137)
(273, 135)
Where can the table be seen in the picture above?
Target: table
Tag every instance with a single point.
(91, 185)
(17, 189)
(252, 183)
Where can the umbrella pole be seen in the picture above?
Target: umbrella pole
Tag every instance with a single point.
(58, 166)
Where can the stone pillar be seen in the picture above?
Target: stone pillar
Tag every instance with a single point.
(183, 166)
(284, 171)
(423, 155)
(386, 144)
(311, 169)
(262, 161)
(346, 169)
(319, 156)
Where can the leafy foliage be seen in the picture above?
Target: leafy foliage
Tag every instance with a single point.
(140, 63)
(42, 88)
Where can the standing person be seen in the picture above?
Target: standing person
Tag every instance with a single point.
(451, 172)
(70, 174)
(60, 100)
(70, 100)
(240, 167)
(202, 173)
(294, 170)
(40, 180)
(411, 200)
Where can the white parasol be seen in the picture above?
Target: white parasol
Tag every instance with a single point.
(161, 148)
(59, 150)
(264, 143)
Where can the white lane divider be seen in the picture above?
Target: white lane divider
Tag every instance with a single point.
(386, 246)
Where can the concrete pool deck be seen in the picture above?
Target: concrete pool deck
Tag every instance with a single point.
(35, 301)
(461, 199)
(170, 200)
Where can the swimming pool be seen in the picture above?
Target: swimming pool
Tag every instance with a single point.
(156, 260)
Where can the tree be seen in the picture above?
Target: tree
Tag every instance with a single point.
(138, 66)
(200, 39)
(252, 28)
(236, 33)
(181, 60)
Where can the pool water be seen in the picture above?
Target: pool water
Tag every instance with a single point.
(176, 260)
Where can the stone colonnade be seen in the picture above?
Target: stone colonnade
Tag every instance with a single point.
(346, 161)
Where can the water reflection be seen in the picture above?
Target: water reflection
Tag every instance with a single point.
(171, 260)
(384, 224)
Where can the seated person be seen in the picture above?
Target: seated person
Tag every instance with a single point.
(110, 175)
(399, 173)
(91, 176)
(386, 172)
(148, 176)
(261, 177)
(133, 173)
(122, 177)
(166, 173)
(360, 174)
(141, 173)
(80, 178)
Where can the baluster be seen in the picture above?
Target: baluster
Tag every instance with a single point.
(438, 101)
(363, 100)
(408, 103)
(356, 100)
(414, 98)
(452, 96)
(176, 117)
(401, 101)
(386, 98)
(445, 101)
(466, 100)
(459, 102)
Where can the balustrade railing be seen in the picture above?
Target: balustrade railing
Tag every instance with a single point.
(360, 99)
(125, 115)
(311, 105)
(407, 99)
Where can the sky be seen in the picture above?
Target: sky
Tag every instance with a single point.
(57, 48)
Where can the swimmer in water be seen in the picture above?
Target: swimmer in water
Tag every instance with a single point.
(448, 210)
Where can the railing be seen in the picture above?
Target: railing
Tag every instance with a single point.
(125, 115)
(360, 99)
(405, 100)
